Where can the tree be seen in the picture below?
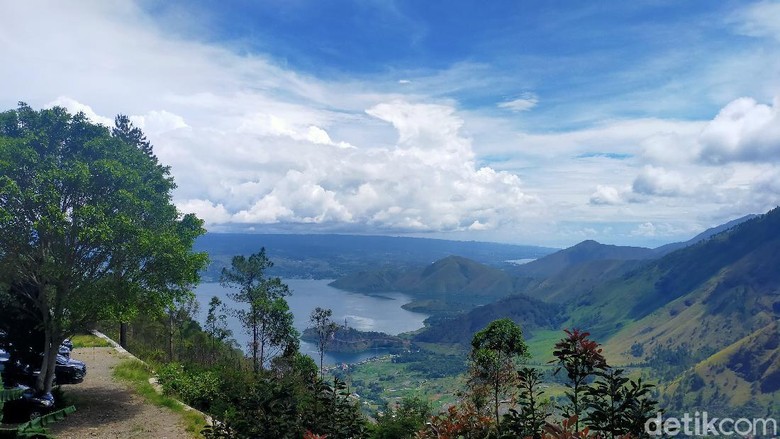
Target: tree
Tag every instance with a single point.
(88, 229)
(529, 420)
(268, 318)
(402, 421)
(325, 327)
(580, 357)
(494, 353)
(216, 324)
(124, 129)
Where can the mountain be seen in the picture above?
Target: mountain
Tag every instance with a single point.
(707, 234)
(730, 277)
(574, 283)
(701, 320)
(583, 252)
(333, 256)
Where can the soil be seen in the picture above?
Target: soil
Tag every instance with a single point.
(108, 408)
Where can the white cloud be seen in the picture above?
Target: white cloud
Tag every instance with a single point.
(659, 181)
(761, 19)
(524, 103)
(77, 107)
(744, 130)
(607, 195)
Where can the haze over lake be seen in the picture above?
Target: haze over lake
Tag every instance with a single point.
(366, 313)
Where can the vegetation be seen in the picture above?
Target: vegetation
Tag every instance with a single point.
(87, 226)
(495, 352)
(268, 319)
(33, 428)
(137, 374)
(325, 329)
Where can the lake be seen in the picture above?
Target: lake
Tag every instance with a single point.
(366, 313)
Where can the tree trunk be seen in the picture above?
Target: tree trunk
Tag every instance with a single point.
(498, 424)
(123, 334)
(45, 380)
(170, 336)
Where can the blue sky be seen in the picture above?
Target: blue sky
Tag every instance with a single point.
(534, 122)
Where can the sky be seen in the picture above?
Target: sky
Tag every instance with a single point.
(531, 122)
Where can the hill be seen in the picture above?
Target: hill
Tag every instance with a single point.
(531, 314)
(449, 285)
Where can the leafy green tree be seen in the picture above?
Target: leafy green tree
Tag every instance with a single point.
(528, 421)
(495, 352)
(619, 406)
(325, 327)
(88, 229)
(403, 421)
(267, 319)
(640, 407)
(124, 129)
(216, 324)
(608, 403)
(580, 357)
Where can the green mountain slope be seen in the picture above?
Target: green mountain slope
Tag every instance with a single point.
(742, 379)
(741, 261)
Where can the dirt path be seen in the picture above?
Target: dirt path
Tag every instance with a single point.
(107, 408)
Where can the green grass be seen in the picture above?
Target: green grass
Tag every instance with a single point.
(89, 341)
(137, 375)
(540, 346)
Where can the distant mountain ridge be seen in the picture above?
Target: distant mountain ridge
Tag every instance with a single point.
(707, 234)
(333, 256)
(585, 251)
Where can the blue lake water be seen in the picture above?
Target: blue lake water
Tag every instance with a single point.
(366, 313)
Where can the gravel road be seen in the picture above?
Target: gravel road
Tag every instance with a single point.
(107, 408)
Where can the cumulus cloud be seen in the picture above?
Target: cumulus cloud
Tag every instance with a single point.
(659, 181)
(276, 171)
(744, 130)
(607, 195)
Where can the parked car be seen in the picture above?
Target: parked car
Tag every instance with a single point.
(66, 371)
(31, 405)
(69, 371)
(4, 358)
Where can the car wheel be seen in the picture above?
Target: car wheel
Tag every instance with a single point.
(35, 414)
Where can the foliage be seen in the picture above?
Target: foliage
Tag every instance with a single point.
(580, 357)
(88, 229)
(197, 388)
(463, 421)
(34, 428)
(326, 328)
(495, 351)
(403, 420)
(216, 325)
(268, 319)
(529, 419)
